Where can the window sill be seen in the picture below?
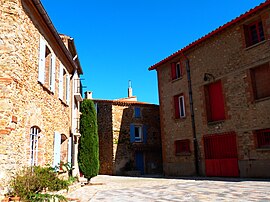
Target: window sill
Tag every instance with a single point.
(263, 149)
(174, 80)
(64, 103)
(180, 118)
(183, 154)
(216, 122)
(262, 99)
(45, 88)
(256, 44)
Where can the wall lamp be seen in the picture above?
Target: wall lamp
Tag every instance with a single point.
(208, 77)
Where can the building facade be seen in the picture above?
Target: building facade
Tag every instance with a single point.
(129, 136)
(39, 103)
(215, 101)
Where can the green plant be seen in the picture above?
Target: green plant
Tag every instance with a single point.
(32, 182)
(88, 157)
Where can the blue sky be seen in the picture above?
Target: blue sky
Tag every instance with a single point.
(117, 40)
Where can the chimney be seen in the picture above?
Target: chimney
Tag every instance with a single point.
(129, 89)
(88, 95)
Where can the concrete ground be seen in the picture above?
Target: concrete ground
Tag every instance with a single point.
(148, 189)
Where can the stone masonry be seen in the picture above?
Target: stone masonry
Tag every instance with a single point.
(116, 150)
(24, 102)
(225, 55)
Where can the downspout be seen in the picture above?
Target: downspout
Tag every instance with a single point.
(195, 142)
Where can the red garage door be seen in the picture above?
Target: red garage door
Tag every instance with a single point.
(221, 157)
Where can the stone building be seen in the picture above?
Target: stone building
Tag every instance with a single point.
(129, 136)
(39, 90)
(215, 101)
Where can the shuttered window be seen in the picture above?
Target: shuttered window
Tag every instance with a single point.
(263, 138)
(182, 146)
(138, 133)
(61, 78)
(214, 102)
(52, 73)
(57, 149)
(179, 106)
(176, 70)
(137, 112)
(41, 67)
(254, 33)
(261, 81)
(67, 89)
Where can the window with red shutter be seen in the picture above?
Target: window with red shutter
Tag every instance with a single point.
(176, 70)
(263, 138)
(214, 102)
(182, 147)
(260, 77)
(254, 33)
(179, 106)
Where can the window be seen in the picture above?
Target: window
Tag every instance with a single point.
(214, 102)
(176, 70)
(46, 71)
(254, 33)
(179, 106)
(260, 77)
(34, 136)
(61, 82)
(138, 133)
(182, 147)
(263, 138)
(137, 112)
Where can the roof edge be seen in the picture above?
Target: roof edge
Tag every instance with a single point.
(214, 32)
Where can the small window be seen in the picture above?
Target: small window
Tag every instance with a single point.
(176, 70)
(254, 33)
(260, 77)
(34, 137)
(263, 138)
(214, 102)
(137, 112)
(179, 106)
(138, 134)
(182, 147)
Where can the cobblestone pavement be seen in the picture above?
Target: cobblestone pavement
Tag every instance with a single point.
(147, 189)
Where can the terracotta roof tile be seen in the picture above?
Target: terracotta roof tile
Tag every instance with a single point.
(214, 32)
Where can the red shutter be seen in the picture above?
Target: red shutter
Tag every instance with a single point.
(216, 101)
(173, 70)
(176, 107)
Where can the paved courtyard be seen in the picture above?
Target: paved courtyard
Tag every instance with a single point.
(146, 189)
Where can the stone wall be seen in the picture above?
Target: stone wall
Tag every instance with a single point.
(226, 57)
(24, 102)
(116, 150)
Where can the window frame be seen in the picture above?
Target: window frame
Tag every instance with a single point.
(182, 147)
(176, 70)
(211, 105)
(140, 135)
(262, 138)
(249, 33)
(34, 138)
(259, 85)
(137, 112)
(180, 110)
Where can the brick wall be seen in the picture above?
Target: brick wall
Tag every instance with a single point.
(226, 57)
(24, 102)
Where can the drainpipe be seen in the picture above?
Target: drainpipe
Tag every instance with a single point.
(195, 142)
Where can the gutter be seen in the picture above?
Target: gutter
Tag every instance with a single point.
(195, 141)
